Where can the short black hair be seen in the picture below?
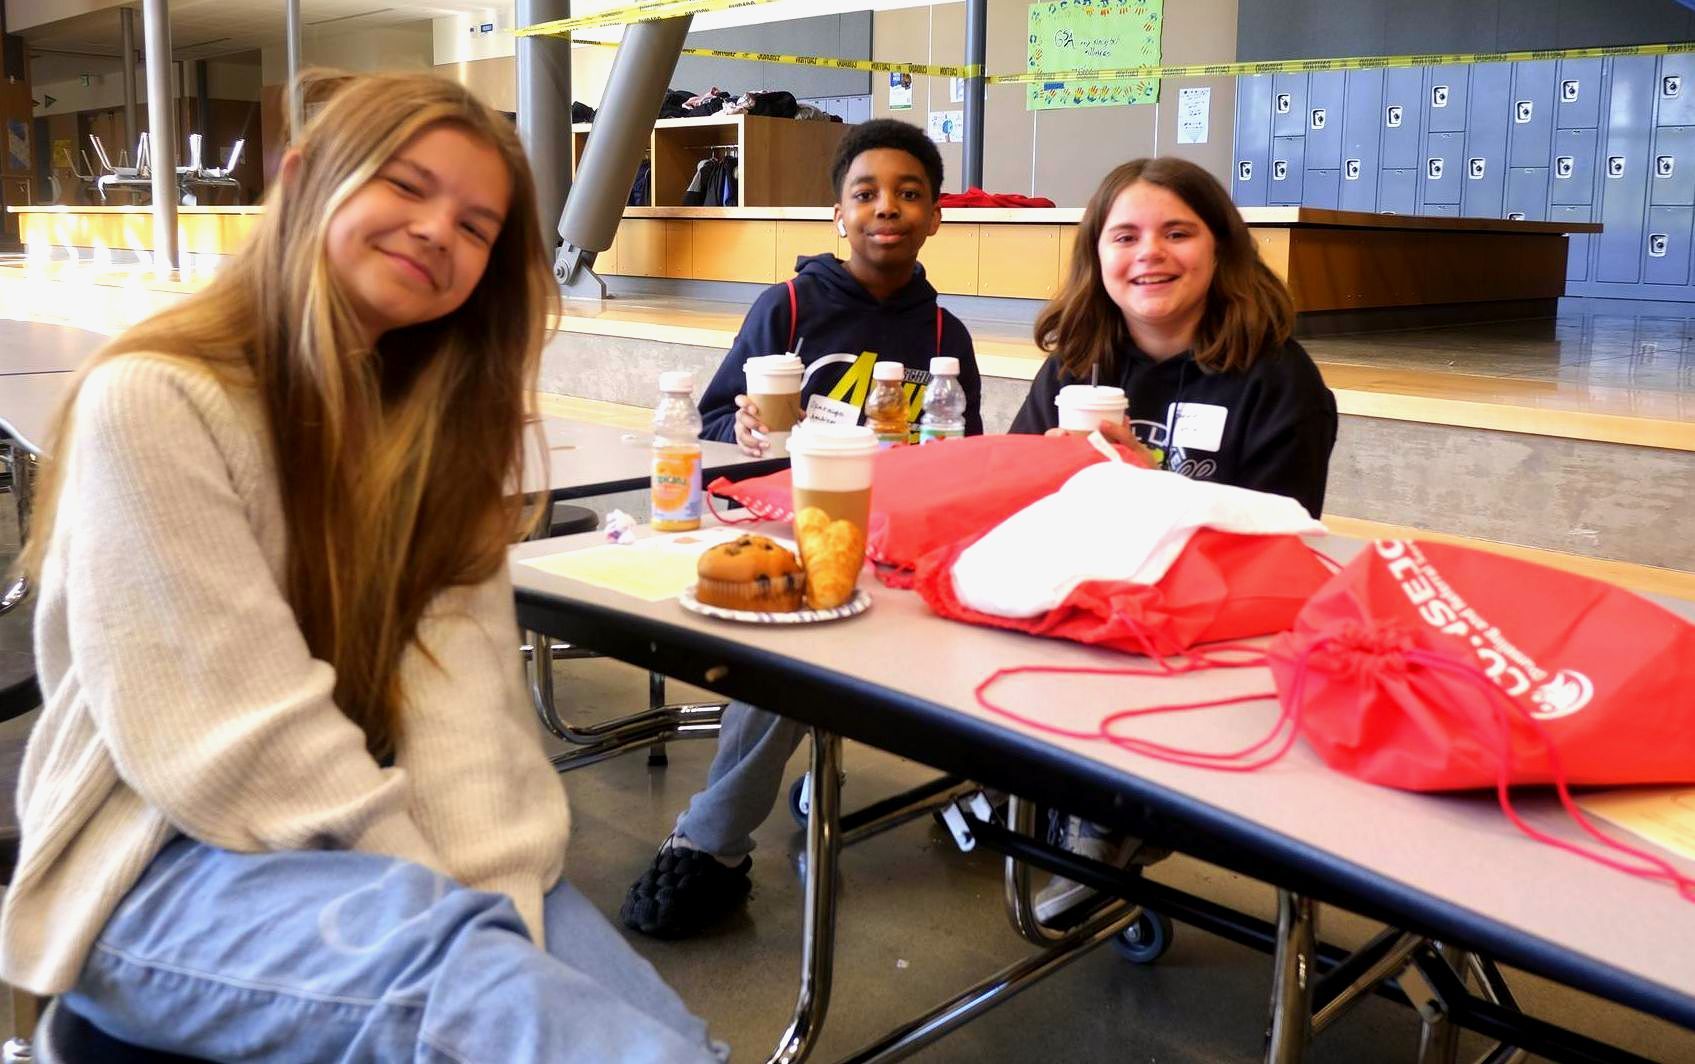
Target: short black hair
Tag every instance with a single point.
(887, 133)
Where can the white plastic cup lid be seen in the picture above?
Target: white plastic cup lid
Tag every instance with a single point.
(677, 381)
(888, 371)
(1101, 396)
(817, 438)
(773, 364)
(945, 365)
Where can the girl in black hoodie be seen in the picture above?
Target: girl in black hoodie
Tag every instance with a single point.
(1175, 307)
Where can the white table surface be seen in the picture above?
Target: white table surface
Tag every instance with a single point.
(1448, 863)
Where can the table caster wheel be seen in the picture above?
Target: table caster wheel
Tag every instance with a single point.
(1146, 939)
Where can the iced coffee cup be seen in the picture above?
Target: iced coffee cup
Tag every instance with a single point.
(773, 385)
(831, 468)
(1082, 407)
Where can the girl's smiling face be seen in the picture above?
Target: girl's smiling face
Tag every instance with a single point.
(1157, 261)
(412, 243)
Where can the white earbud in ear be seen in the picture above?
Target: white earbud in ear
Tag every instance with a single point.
(841, 228)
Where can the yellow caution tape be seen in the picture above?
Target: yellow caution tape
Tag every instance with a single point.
(1306, 66)
(648, 11)
(825, 61)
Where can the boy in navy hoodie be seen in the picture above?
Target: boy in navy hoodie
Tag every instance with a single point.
(848, 315)
(875, 306)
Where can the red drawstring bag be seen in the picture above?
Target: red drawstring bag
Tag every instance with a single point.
(1223, 586)
(1431, 667)
(1602, 676)
(925, 498)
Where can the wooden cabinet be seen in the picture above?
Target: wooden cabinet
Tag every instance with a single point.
(782, 162)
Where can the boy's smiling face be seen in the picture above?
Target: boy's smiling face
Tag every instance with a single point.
(888, 208)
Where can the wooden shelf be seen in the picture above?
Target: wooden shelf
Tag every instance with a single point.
(779, 159)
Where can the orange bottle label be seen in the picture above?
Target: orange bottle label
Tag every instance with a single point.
(676, 489)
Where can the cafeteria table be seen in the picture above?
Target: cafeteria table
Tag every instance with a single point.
(40, 347)
(1457, 888)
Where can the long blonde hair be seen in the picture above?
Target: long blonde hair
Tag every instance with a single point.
(1248, 313)
(397, 466)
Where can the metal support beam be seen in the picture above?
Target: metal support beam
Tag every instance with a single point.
(976, 54)
(635, 88)
(291, 10)
(203, 105)
(544, 111)
(162, 129)
(1293, 977)
(126, 22)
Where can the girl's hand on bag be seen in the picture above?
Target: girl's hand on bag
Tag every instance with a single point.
(1121, 433)
(750, 431)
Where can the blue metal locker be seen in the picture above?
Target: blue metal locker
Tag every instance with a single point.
(1362, 136)
(1526, 194)
(1624, 164)
(1489, 113)
(1665, 248)
(1287, 159)
(1325, 102)
(1396, 191)
(1444, 169)
(1577, 258)
(1572, 171)
(1403, 118)
(1577, 94)
(1288, 105)
(1673, 167)
(1321, 188)
(1532, 114)
(1676, 90)
(1445, 95)
(1253, 140)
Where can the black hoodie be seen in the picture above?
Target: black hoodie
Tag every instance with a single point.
(1270, 427)
(845, 330)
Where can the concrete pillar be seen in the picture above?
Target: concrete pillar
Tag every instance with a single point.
(976, 54)
(162, 129)
(544, 111)
(296, 115)
(132, 130)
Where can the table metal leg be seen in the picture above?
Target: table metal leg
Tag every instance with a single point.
(22, 464)
(597, 742)
(656, 700)
(1438, 1035)
(1294, 975)
(818, 934)
(1391, 950)
(1020, 909)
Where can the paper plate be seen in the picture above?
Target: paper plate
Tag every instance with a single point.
(853, 607)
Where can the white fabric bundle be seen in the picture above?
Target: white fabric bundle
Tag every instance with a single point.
(1111, 521)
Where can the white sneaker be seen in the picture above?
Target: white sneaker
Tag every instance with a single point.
(1113, 848)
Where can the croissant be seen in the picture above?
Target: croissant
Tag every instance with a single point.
(832, 552)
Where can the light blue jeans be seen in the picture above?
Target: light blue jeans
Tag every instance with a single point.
(336, 956)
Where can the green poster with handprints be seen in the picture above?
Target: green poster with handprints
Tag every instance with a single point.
(1093, 35)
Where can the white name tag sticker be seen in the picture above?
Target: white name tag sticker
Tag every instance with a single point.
(827, 411)
(1198, 426)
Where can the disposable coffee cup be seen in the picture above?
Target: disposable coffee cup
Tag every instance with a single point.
(1082, 407)
(830, 470)
(773, 384)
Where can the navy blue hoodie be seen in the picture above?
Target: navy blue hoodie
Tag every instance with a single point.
(845, 330)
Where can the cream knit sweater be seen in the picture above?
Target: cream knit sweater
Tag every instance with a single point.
(180, 697)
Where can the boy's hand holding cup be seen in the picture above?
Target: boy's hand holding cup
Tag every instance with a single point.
(770, 409)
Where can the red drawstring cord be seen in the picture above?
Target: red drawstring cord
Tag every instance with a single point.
(1659, 868)
(753, 519)
(1287, 726)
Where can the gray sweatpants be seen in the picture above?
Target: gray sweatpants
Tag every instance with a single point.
(747, 773)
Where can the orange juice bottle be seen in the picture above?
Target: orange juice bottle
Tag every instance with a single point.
(676, 455)
(885, 407)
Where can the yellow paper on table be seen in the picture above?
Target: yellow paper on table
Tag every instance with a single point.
(652, 569)
(1664, 816)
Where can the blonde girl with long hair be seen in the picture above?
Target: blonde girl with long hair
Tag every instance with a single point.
(286, 800)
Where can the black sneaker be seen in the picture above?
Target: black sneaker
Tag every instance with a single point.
(684, 892)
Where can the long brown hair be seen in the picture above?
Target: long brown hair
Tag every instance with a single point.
(397, 466)
(1248, 309)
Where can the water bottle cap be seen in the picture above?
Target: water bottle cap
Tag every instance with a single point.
(677, 382)
(945, 365)
(889, 371)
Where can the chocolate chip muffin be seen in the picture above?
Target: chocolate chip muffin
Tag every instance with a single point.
(750, 573)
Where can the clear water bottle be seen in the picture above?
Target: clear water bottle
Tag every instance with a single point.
(676, 455)
(944, 402)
